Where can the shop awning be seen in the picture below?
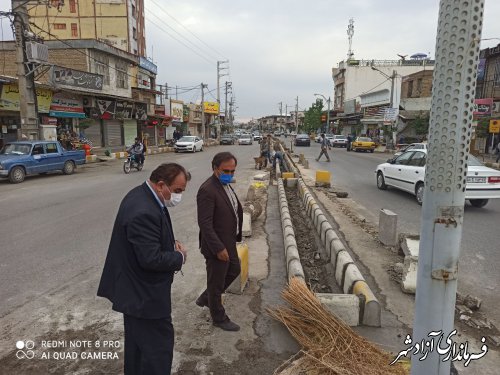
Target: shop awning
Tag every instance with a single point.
(67, 114)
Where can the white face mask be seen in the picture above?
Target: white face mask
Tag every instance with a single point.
(175, 199)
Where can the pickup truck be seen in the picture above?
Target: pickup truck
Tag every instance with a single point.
(19, 159)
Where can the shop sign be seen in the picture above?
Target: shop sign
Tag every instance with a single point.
(211, 107)
(10, 99)
(494, 126)
(483, 107)
(123, 109)
(143, 80)
(64, 103)
(159, 109)
(148, 65)
(76, 79)
(140, 111)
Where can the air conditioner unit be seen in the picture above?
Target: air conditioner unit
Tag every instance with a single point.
(37, 52)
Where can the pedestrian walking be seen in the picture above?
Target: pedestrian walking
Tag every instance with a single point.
(220, 218)
(142, 258)
(350, 138)
(265, 149)
(325, 146)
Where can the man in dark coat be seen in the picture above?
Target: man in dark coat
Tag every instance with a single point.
(142, 258)
(220, 218)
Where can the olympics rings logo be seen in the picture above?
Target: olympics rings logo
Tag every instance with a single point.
(24, 349)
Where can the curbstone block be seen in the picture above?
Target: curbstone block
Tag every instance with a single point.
(295, 269)
(351, 275)
(371, 309)
(388, 227)
(409, 279)
(238, 285)
(344, 306)
(247, 225)
(343, 259)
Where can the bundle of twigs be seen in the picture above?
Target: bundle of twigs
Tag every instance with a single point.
(329, 346)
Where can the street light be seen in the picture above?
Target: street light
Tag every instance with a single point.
(327, 113)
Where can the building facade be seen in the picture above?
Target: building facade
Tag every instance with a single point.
(119, 23)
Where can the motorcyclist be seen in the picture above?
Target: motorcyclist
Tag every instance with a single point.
(137, 150)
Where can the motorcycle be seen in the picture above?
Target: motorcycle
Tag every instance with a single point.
(131, 162)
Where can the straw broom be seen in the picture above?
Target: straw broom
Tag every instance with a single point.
(329, 346)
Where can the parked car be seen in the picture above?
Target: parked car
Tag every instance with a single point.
(407, 171)
(302, 140)
(412, 146)
(245, 139)
(189, 143)
(257, 137)
(339, 141)
(363, 144)
(227, 139)
(19, 159)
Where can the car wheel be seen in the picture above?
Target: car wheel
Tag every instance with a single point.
(126, 167)
(478, 202)
(419, 192)
(194, 149)
(381, 181)
(17, 175)
(372, 151)
(69, 167)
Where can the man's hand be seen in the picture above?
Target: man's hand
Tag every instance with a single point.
(223, 255)
(181, 249)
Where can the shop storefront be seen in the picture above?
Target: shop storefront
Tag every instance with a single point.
(113, 135)
(129, 131)
(9, 124)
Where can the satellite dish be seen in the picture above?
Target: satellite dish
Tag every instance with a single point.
(419, 56)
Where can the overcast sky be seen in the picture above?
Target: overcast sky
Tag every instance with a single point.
(278, 50)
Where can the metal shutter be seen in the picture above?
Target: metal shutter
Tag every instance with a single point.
(93, 133)
(113, 132)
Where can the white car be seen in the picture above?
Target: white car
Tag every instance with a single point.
(245, 139)
(412, 146)
(189, 143)
(407, 172)
(339, 141)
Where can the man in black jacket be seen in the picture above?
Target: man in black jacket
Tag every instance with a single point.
(142, 258)
(220, 218)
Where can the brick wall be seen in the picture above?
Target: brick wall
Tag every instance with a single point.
(417, 85)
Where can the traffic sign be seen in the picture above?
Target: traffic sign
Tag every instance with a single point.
(494, 126)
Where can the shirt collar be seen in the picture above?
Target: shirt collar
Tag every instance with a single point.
(155, 195)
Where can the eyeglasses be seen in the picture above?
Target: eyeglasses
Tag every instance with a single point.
(228, 171)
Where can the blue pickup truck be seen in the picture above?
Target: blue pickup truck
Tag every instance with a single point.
(18, 159)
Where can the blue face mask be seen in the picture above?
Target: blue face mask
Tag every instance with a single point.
(225, 178)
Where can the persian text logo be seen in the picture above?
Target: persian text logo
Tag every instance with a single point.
(451, 351)
(25, 349)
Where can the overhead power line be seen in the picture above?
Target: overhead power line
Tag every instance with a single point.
(187, 29)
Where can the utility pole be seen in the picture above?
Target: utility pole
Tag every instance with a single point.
(203, 86)
(166, 91)
(281, 115)
(391, 104)
(26, 81)
(175, 92)
(226, 91)
(220, 68)
(297, 116)
(457, 55)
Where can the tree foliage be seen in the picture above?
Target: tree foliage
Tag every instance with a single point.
(421, 125)
(312, 117)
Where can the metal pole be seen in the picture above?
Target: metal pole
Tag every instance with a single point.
(297, 116)
(457, 52)
(328, 116)
(202, 111)
(26, 83)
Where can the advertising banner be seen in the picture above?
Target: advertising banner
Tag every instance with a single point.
(483, 107)
(10, 99)
(75, 79)
(66, 106)
(176, 110)
(211, 107)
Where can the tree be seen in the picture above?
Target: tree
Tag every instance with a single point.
(421, 125)
(312, 117)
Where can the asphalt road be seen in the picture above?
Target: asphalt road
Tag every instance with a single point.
(480, 250)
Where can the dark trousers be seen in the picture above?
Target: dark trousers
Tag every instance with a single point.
(219, 276)
(149, 346)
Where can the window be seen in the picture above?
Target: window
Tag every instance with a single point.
(418, 159)
(121, 74)
(134, 33)
(410, 89)
(37, 150)
(496, 75)
(51, 148)
(74, 30)
(101, 65)
(419, 86)
(59, 26)
(133, 11)
(404, 158)
(72, 6)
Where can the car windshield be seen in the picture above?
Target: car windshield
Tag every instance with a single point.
(16, 149)
(226, 136)
(340, 137)
(302, 136)
(473, 162)
(246, 136)
(186, 139)
(364, 139)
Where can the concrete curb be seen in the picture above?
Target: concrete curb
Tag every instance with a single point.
(293, 265)
(347, 273)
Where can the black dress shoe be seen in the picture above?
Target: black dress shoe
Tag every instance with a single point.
(227, 325)
(201, 303)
